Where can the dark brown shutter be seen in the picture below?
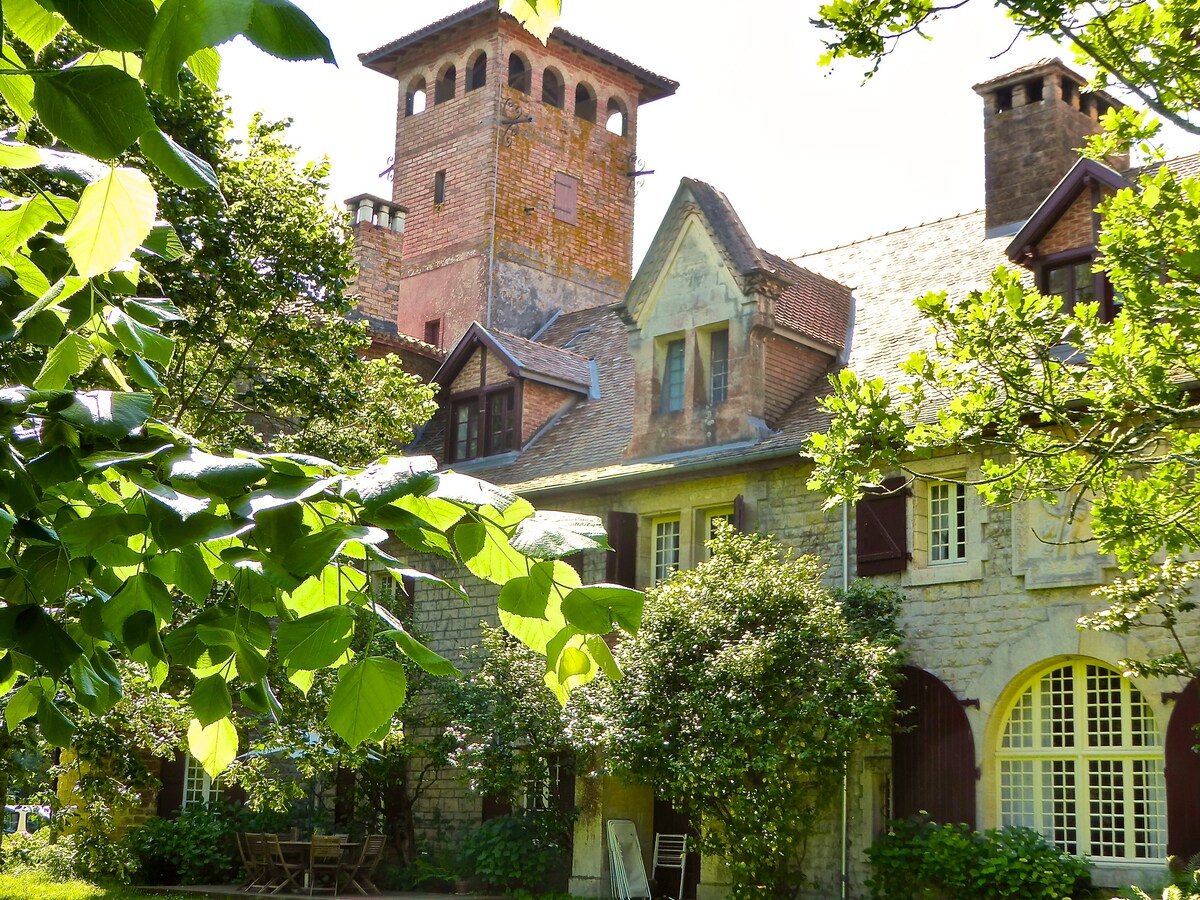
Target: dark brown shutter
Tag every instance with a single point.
(235, 795)
(881, 529)
(170, 795)
(564, 789)
(566, 199)
(494, 808)
(623, 539)
(739, 513)
(1182, 765)
(933, 753)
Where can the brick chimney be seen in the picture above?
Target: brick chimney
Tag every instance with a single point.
(1035, 119)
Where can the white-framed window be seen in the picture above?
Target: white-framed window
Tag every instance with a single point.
(947, 522)
(1080, 760)
(712, 519)
(198, 787)
(666, 547)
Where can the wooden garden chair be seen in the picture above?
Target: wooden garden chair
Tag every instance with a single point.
(324, 862)
(361, 872)
(283, 872)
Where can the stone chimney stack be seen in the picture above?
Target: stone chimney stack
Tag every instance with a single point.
(1035, 120)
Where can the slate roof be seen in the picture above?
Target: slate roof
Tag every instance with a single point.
(533, 358)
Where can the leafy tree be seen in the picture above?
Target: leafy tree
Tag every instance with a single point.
(1148, 47)
(123, 539)
(747, 688)
(1060, 402)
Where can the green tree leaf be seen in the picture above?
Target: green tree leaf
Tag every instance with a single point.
(210, 700)
(82, 537)
(282, 30)
(55, 726)
(115, 24)
(72, 355)
(23, 220)
(17, 90)
(97, 110)
(24, 702)
(112, 415)
(115, 215)
(368, 693)
(331, 587)
(431, 662)
(32, 23)
(45, 640)
(205, 64)
(485, 551)
(178, 163)
(317, 640)
(184, 27)
(553, 535)
(596, 608)
(214, 745)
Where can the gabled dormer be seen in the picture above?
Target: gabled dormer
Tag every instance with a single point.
(1058, 242)
(497, 391)
(724, 336)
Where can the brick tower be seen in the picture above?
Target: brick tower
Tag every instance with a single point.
(512, 183)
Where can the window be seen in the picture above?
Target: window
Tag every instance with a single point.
(445, 85)
(672, 380)
(499, 431)
(198, 787)
(614, 119)
(433, 332)
(519, 74)
(947, 522)
(414, 98)
(666, 548)
(439, 188)
(585, 103)
(477, 73)
(566, 199)
(714, 518)
(464, 429)
(501, 419)
(553, 91)
(718, 370)
(1072, 281)
(1080, 760)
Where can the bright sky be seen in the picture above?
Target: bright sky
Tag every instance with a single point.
(809, 157)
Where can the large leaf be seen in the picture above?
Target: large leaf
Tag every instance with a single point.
(282, 30)
(24, 703)
(431, 662)
(186, 570)
(141, 593)
(45, 640)
(92, 690)
(116, 24)
(311, 553)
(210, 700)
(17, 90)
(598, 607)
(32, 22)
(20, 156)
(214, 745)
(219, 474)
(109, 523)
(184, 27)
(113, 415)
(368, 693)
(316, 640)
(24, 219)
(139, 339)
(331, 587)
(71, 356)
(97, 110)
(552, 535)
(206, 66)
(485, 551)
(56, 727)
(530, 606)
(115, 215)
(179, 164)
(383, 482)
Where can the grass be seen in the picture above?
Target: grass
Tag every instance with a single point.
(23, 887)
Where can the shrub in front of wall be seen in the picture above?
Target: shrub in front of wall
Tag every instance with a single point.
(924, 861)
(199, 847)
(517, 852)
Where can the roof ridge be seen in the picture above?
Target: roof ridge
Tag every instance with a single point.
(509, 334)
(882, 234)
(807, 271)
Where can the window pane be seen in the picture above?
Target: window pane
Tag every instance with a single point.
(672, 383)
(501, 421)
(1085, 283)
(666, 548)
(465, 418)
(719, 367)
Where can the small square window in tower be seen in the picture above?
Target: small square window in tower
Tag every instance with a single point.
(566, 199)
(672, 379)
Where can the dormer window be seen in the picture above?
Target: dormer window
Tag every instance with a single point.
(718, 367)
(672, 380)
(464, 425)
(1072, 281)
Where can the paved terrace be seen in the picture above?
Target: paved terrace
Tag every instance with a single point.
(230, 890)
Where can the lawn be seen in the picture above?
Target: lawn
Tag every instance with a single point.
(23, 887)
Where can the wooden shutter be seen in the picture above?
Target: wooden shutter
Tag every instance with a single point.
(566, 199)
(623, 539)
(881, 528)
(1182, 766)
(170, 795)
(739, 514)
(933, 753)
(575, 561)
(494, 807)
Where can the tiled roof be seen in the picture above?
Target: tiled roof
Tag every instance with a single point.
(534, 358)
(811, 304)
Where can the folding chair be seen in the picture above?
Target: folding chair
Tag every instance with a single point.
(626, 869)
(670, 852)
(283, 872)
(360, 872)
(324, 859)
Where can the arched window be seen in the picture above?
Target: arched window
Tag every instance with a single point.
(614, 118)
(1080, 760)
(414, 97)
(585, 103)
(477, 73)
(445, 85)
(552, 88)
(519, 73)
